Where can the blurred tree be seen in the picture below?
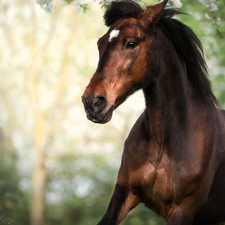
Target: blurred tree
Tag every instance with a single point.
(25, 94)
(14, 204)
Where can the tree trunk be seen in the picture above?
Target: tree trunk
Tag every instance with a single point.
(37, 209)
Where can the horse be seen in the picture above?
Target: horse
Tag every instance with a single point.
(174, 156)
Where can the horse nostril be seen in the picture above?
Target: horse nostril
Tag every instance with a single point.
(98, 103)
(95, 101)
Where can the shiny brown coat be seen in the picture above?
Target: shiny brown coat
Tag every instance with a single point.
(174, 156)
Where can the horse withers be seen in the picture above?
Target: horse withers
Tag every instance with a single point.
(174, 156)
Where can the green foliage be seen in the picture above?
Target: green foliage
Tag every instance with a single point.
(14, 203)
(85, 188)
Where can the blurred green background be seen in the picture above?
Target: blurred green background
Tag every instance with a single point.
(56, 167)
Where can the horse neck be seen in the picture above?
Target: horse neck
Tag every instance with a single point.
(173, 105)
(167, 101)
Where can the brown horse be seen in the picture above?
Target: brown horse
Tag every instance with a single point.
(174, 156)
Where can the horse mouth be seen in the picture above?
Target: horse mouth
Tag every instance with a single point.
(101, 118)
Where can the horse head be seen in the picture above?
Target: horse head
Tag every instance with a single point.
(123, 58)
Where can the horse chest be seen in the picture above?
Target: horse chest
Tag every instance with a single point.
(152, 184)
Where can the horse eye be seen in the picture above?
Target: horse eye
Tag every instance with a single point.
(131, 45)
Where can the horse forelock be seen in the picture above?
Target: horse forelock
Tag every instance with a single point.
(122, 9)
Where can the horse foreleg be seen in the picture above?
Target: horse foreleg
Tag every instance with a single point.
(120, 204)
(183, 213)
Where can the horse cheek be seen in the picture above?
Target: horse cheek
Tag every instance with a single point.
(129, 60)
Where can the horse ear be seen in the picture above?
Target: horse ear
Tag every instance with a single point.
(153, 12)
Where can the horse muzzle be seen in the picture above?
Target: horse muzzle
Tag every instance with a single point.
(97, 109)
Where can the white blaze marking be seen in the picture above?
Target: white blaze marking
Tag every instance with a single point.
(113, 34)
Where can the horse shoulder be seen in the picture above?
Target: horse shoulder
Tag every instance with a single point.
(140, 173)
(136, 167)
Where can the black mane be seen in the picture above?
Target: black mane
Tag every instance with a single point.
(190, 51)
(186, 44)
(123, 9)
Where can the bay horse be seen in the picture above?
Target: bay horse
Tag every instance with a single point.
(174, 157)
